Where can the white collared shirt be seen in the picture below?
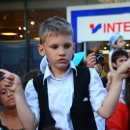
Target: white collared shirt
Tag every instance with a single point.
(60, 96)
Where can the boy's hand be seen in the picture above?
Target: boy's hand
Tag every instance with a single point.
(110, 76)
(91, 60)
(11, 80)
(124, 70)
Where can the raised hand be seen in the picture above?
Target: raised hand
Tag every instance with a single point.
(124, 70)
(11, 80)
(91, 60)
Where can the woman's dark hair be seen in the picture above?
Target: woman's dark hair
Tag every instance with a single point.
(127, 98)
(1, 76)
(30, 75)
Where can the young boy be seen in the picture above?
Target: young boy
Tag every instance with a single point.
(116, 43)
(119, 119)
(68, 94)
(78, 61)
(118, 58)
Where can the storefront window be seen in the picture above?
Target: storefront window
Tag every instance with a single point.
(36, 17)
(19, 34)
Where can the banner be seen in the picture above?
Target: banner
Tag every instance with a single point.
(99, 22)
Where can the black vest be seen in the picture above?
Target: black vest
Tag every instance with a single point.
(81, 111)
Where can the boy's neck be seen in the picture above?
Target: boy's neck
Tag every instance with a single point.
(58, 73)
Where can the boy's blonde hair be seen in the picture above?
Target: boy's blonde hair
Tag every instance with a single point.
(54, 26)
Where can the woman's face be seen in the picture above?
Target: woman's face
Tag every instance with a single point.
(6, 96)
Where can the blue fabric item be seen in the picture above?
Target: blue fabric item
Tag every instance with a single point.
(113, 39)
(78, 58)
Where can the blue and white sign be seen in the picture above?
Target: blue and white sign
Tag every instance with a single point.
(99, 22)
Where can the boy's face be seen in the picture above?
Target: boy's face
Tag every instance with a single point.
(120, 44)
(59, 50)
(119, 61)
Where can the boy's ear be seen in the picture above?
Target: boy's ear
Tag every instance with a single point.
(74, 48)
(41, 50)
(114, 64)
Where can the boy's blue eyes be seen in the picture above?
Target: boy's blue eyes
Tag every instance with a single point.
(54, 47)
(66, 46)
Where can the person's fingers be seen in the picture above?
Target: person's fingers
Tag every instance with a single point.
(8, 82)
(92, 61)
(91, 54)
(9, 76)
(90, 58)
(4, 71)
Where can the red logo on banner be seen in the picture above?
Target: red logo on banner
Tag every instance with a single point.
(111, 27)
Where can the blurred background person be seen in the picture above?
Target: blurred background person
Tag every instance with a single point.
(9, 119)
(120, 120)
(116, 43)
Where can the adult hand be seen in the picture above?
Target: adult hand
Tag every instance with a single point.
(91, 60)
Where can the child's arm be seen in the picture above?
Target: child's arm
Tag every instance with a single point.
(108, 106)
(110, 63)
(27, 118)
(110, 76)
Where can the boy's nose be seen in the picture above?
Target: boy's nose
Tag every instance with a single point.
(61, 51)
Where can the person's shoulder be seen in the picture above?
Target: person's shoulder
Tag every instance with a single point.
(93, 73)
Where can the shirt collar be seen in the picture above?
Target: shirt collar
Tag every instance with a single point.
(49, 73)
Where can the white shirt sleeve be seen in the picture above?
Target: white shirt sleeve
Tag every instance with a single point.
(32, 99)
(96, 90)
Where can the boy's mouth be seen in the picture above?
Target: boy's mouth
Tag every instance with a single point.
(62, 60)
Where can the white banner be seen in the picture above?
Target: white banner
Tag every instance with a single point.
(99, 22)
(101, 28)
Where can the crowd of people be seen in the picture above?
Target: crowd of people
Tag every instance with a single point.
(65, 94)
